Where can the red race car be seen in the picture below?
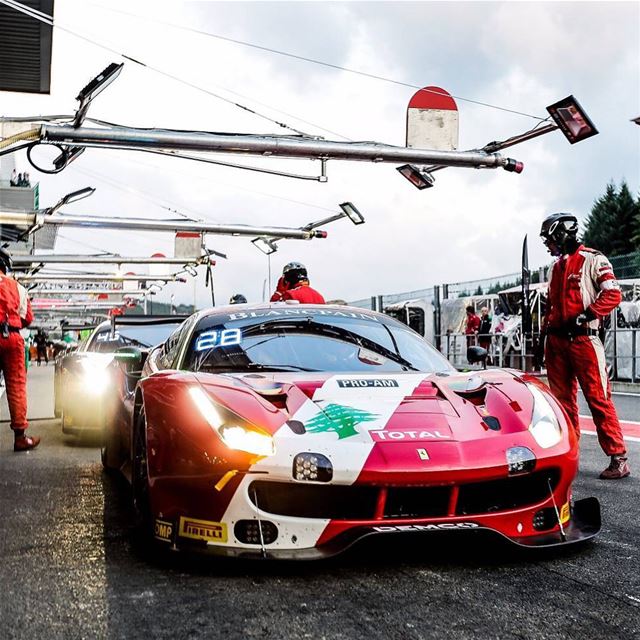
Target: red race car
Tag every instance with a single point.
(292, 431)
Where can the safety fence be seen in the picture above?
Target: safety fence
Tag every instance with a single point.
(622, 347)
(437, 313)
(623, 354)
(625, 267)
(503, 350)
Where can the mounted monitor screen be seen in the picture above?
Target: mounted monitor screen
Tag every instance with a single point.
(572, 120)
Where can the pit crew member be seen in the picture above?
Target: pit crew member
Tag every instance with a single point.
(582, 291)
(294, 285)
(15, 314)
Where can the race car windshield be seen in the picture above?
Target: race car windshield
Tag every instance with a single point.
(143, 337)
(320, 341)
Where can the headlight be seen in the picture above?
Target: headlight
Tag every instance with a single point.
(544, 425)
(235, 436)
(520, 460)
(95, 376)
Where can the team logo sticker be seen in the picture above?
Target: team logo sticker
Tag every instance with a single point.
(403, 436)
(339, 419)
(203, 530)
(362, 383)
(439, 526)
(163, 530)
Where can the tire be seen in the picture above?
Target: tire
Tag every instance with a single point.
(109, 449)
(57, 404)
(140, 478)
(63, 421)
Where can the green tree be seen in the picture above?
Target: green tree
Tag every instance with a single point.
(600, 225)
(613, 226)
(636, 226)
(628, 213)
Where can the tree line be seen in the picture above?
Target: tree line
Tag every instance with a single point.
(613, 226)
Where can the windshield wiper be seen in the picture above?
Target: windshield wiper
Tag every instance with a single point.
(338, 332)
(254, 366)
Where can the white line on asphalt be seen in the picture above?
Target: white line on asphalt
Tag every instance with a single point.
(625, 393)
(626, 438)
(621, 420)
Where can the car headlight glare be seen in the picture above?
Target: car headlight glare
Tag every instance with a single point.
(544, 426)
(233, 435)
(95, 376)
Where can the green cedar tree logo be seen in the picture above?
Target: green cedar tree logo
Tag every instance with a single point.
(340, 419)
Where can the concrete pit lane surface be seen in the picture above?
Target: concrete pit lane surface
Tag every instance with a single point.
(72, 568)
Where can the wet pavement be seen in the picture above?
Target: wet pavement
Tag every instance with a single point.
(72, 568)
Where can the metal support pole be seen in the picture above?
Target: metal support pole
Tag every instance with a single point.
(437, 320)
(19, 261)
(634, 354)
(98, 277)
(142, 224)
(279, 146)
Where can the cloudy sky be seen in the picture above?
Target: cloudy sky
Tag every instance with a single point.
(518, 55)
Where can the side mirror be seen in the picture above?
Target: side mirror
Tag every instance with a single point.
(131, 357)
(477, 354)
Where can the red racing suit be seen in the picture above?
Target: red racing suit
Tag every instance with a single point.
(582, 282)
(303, 293)
(15, 311)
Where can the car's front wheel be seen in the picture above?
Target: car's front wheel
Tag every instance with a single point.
(140, 476)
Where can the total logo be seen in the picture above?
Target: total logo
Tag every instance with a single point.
(398, 436)
(443, 526)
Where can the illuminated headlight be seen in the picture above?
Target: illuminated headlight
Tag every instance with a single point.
(95, 375)
(233, 435)
(312, 466)
(544, 425)
(520, 460)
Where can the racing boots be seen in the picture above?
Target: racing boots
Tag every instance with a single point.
(618, 468)
(25, 443)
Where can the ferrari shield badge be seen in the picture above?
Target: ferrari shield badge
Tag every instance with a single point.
(340, 419)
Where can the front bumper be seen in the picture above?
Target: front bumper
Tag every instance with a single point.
(584, 523)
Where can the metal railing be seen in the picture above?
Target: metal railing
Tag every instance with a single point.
(622, 346)
(505, 350)
(623, 354)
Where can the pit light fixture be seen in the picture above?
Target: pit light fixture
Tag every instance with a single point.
(94, 88)
(266, 245)
(419, 178)
(74, 196)
(352, 212)
(572, 119)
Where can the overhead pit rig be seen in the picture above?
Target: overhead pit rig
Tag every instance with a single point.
(431, 145)
(423, 154)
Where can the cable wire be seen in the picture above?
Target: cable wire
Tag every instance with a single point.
(311, 60)
(48, 20)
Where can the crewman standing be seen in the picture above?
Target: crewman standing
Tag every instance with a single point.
(582, 291)
(294, 285)
(15, 314)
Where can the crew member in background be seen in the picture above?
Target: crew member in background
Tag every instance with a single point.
(484, 332)
(472, 326)
(582, 291)
(238, 298)
(15, 314)
(41, 339)
(294, 285)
